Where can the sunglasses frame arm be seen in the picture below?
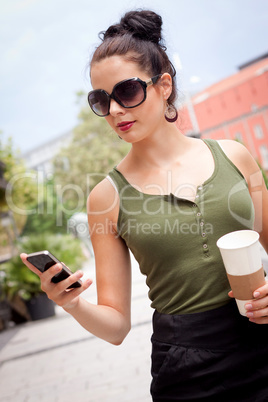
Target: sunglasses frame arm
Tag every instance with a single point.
(153, 80)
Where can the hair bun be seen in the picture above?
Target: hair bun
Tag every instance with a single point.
(145, 25)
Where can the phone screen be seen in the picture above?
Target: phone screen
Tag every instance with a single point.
(42, 261)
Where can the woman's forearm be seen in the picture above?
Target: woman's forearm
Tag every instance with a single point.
(102, 321)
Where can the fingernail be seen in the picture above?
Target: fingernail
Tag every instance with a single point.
(249, 314)
(58, 268)
(248, 306)
(256, 294)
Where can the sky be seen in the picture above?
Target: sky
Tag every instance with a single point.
(46, 45)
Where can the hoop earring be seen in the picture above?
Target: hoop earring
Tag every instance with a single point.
(171, 113)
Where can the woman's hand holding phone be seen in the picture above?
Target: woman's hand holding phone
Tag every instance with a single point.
(63, 292)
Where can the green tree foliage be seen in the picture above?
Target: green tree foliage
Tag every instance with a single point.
(48, 216)
(21, 193)
(94, 150)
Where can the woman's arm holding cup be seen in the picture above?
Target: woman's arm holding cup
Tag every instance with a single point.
(257, 310)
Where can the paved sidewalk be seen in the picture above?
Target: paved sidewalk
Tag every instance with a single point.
(56, 360)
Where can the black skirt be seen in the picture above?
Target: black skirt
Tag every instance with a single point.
(214, 356)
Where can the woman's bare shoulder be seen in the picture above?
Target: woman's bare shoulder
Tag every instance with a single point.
(233, 147)
(102, 198)
(240, 156)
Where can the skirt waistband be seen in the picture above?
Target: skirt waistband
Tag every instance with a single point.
(219, 328)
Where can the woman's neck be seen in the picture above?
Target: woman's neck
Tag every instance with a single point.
(159, 150)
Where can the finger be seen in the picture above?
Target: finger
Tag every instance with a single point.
(66, 283)
(52, 271)
(261, 291)
(58, 291)
(23, 257)
(77, 291)
(257, 304)
(261, 320)
(230, 294)
(257, 308)
(262, 313)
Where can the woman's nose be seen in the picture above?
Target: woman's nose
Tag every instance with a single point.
(115, 108)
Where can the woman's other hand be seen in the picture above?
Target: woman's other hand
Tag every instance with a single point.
(257, 309)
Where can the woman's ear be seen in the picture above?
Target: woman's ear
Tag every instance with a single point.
(166, 84)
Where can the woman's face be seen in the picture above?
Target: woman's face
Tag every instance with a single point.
(139, 122)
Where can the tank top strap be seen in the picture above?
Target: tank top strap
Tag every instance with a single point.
(220, 157)
(116, 179)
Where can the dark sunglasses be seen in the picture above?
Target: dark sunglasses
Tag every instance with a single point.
(128, 93)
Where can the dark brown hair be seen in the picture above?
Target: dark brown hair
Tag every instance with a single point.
(138, 38)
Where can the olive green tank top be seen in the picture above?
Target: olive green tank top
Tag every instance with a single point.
(174, 239)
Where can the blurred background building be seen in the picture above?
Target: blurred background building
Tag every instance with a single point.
(234, 108)
(40, 158)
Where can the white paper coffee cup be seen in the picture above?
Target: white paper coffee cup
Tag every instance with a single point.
(241, 256)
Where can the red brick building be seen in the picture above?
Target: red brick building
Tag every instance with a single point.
(234, 108)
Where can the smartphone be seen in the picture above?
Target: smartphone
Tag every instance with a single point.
(43, 260)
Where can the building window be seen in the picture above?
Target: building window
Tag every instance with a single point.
(258, 132)
(254, 107)
(264, 156)
(238, 136)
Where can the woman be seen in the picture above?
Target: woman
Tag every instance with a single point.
(169, 200)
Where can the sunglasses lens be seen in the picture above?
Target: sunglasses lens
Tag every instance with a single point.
(99, 102)
(130, 93)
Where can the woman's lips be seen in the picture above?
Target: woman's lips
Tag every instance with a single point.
(125, 125)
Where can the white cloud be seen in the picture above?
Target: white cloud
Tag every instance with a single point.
(177, 61)
(194, 79)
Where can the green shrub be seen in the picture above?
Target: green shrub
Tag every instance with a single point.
(18, 279)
